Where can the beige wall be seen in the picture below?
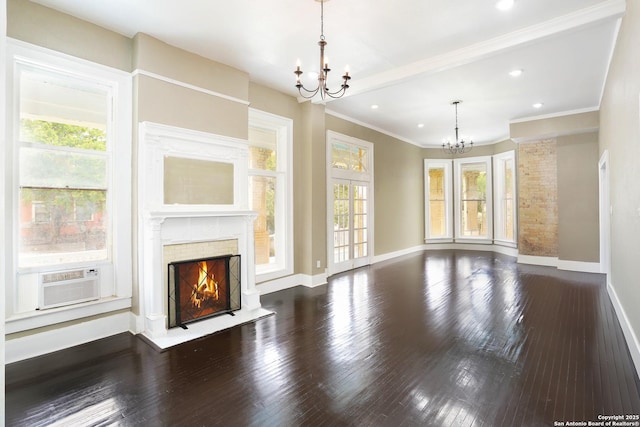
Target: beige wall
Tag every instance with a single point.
(399, 191)
(45, 27)
(620, 135)
(578, 220)
(163, 101)
(555, 126)
(150, 54)
(561, 220)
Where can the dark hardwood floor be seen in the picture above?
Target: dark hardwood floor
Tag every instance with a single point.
(431, 339)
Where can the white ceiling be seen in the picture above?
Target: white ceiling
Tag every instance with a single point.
(409, 57)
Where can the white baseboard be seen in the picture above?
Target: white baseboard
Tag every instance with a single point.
(48, 341)
(585, 267)
(391, 255)
(505, 250)
(313, 281)
(136, 324)
(546, 261)
(627, 330)
(560, 264)
(291, 282)
(279, 284)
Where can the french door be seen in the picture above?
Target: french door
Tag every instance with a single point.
(349, 231)
(349, 202)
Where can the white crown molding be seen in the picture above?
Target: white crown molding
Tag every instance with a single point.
(372, 127)
(611, 52)
(605, 10)
(139, 72)
(555, 115)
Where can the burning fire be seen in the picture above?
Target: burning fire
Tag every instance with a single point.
(206, 287)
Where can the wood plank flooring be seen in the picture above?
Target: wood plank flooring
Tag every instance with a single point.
(445, 338)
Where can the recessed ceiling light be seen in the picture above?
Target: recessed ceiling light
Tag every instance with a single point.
(516, 73)
(421, 125)
(374, 107)
(538, 105)
(504, 4)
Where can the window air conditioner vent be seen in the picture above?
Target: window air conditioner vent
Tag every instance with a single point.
(62, 288)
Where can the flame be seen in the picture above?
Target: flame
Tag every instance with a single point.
(206, 287)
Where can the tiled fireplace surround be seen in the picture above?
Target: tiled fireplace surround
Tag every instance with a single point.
(181, 232)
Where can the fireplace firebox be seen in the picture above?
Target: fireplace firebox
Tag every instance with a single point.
(202, 288)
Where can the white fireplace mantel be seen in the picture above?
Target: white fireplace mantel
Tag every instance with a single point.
(162, 225)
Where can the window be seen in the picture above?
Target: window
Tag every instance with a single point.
(270, 193)
(64, 161)
(349, 157)
(467, 207)
(438, 196)
(505, 184)
(473, 206)
(70, 130)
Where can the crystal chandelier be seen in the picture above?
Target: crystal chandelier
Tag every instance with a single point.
(460, 146)
(324, 70)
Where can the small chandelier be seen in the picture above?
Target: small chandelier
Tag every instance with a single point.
(324, 70)
(460, 146)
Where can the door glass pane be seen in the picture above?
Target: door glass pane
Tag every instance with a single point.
(359, 159)
(437, 212)
(349, 157)
(340, 156)
(341, 213)
(473, 199)
(360, 221)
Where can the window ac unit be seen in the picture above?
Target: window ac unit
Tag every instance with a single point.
(62, 288)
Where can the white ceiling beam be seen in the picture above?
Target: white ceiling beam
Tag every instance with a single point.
(611, 9)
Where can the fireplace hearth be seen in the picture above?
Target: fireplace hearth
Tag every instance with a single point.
(203, 288)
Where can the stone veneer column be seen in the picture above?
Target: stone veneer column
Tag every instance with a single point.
(538, 199)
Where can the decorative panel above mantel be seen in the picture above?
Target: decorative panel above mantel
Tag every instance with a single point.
(182, 168)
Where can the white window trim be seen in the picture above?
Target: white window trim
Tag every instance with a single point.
(446, 165)
(116, 282)
(458, 163)
(284, 208)
(499, 187)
